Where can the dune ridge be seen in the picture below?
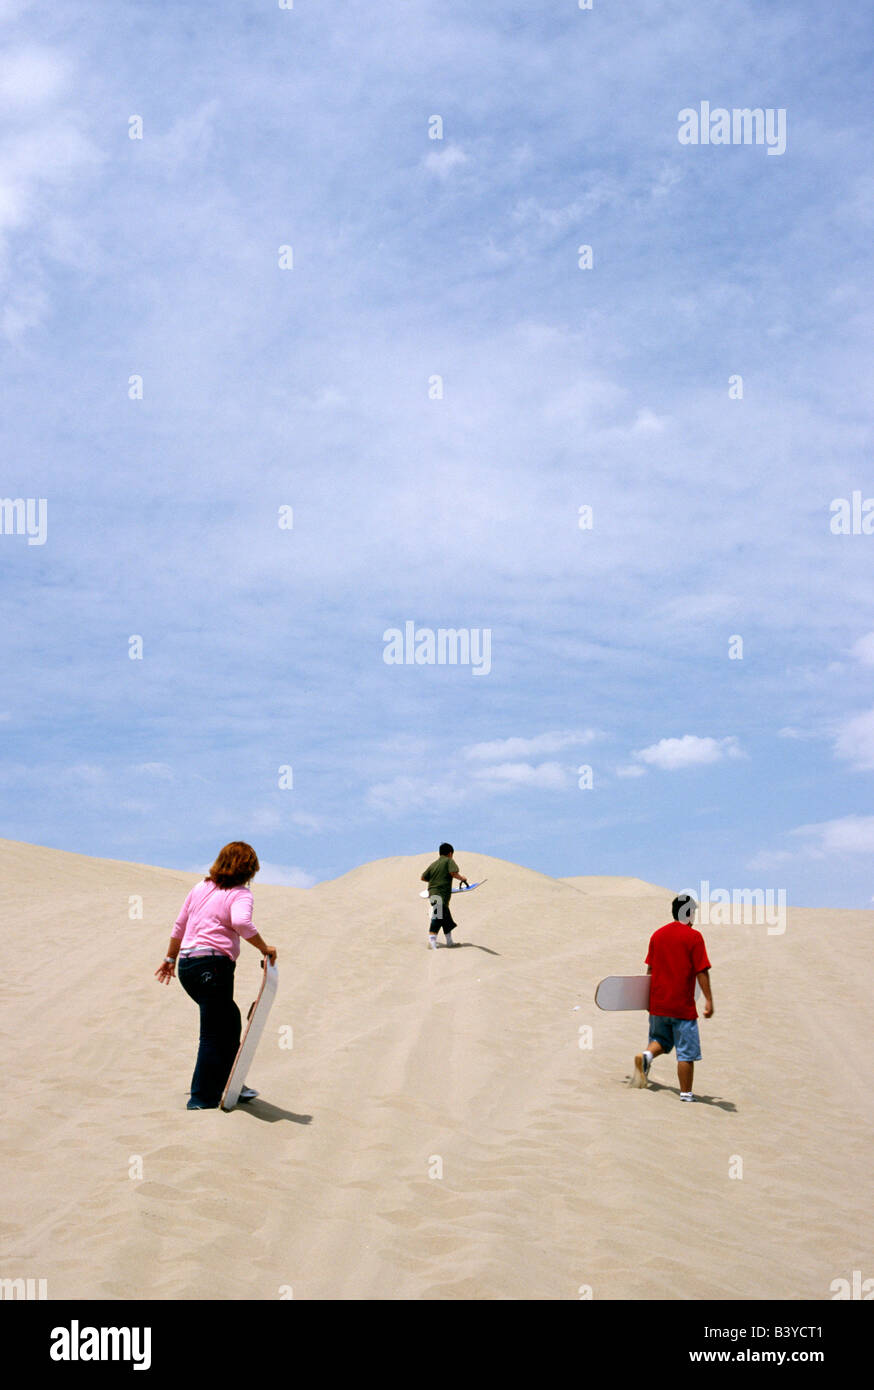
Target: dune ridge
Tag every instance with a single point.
(436, 1131)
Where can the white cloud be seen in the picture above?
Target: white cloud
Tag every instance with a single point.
(548, 776)
(283, 877)
(688, 751)
(268, 818)
(855, 741)
(44, 159)
(527, 747)
(442, 162)
(863, 649)
(30, 78)
(402, 794)
(307, 821)
(162, 770)
(646, 422)
(631, 770)
(770, 859)
(187, 140)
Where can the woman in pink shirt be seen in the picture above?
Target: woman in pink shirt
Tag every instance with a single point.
(206, 939)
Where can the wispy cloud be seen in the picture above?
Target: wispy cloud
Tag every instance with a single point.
(442, 162)
(557, 742)
(284, 876)
(549, 776)
(863, 649)
(855, 741)
(47, 159)
(561, 387)
(845, 835)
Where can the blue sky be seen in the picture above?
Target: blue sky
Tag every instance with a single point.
(562, 387)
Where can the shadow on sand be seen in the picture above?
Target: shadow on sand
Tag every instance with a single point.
(699, 1099)
(471, 945)
(263, 1110)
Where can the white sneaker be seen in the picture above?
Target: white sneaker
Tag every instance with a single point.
(449, 941)
(432, 943)
(686, 1095)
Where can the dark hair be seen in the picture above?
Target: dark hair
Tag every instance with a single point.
(683, 908)
(446, 849)
(235, 864)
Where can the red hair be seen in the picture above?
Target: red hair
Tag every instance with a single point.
(235, 864)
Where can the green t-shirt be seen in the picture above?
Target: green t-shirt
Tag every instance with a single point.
(439, 876)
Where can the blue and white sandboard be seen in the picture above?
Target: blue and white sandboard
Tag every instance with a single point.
(426, 892)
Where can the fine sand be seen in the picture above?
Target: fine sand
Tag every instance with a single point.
(435, 1130)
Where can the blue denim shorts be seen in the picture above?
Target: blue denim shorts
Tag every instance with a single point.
(680, 1031)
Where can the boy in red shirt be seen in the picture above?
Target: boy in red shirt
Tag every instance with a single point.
(677, 957)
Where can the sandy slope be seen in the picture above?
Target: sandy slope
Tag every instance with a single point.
(555, 1175)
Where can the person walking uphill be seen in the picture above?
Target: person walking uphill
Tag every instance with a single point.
(206, 940)
(677, 957)
(438, 877)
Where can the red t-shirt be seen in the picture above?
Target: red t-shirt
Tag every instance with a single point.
(676, 955)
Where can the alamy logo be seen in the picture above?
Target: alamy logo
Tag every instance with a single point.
(852, 516)
(24, 1288)
(448, 646)
(75, 1343)
(857, 1288)
(739, 907)
(20, 516)
(739, 126)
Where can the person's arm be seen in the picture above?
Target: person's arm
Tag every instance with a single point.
(703, 978)
(241, 922)
(167, 969)
(261, 945)
(460, 877)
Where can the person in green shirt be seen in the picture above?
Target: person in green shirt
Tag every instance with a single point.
(438, 877)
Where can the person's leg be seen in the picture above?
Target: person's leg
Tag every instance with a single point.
(200, 980)
(448, 923)
(436, 905)
(659, 1042)
(210, 982)
(688, 1053)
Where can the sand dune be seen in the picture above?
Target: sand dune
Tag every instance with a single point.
(609, 886)
(556, 1176)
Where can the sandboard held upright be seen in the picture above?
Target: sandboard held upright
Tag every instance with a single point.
(256, 1019)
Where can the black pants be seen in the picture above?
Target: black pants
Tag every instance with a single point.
(440, 916)
(210, 982)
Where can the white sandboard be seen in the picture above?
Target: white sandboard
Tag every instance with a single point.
(623, 992)
(426, 892)
(257, 1017)
(627, 992)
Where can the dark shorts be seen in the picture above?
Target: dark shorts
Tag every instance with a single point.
(679, 1032)
(441, 915)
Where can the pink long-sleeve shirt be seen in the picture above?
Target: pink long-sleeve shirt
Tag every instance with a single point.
(214, 919)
